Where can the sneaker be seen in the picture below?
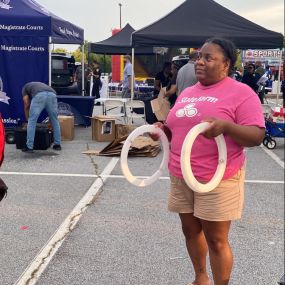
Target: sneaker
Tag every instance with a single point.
(56, 147)
(28, 150)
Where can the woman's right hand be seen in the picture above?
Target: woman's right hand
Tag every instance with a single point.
(164, 128)
(155, 136)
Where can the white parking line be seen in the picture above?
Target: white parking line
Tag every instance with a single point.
(105, 176)
(273, 156)
(31, 275)
(48, 174)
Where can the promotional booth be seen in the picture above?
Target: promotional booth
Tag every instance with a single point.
(27, 31)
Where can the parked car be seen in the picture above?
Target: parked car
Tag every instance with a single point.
(62, 74)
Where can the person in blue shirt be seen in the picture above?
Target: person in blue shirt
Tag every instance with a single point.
(268, 72)
(127, 77)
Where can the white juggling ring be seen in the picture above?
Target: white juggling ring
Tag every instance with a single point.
(186, 166)
(124, 155)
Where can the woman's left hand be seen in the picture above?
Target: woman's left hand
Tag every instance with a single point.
(216, 128)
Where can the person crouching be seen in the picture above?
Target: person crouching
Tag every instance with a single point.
(38, 96)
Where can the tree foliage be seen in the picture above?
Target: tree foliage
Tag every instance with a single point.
(104, 61)
(59, 50)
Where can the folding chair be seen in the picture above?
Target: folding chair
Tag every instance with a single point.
(135, 109)
(115, 109)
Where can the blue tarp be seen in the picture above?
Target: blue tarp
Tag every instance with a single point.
(25, 29)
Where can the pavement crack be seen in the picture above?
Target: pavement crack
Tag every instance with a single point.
(71, 224)
(95, 166)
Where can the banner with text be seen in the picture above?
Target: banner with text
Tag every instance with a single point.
(267, 56)
(22, 59)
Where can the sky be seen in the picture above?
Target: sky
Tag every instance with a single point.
(99, 17)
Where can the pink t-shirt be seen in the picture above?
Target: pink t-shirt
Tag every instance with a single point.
(226, 100)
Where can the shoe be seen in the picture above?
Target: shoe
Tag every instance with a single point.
(57, 147)
(28, 150)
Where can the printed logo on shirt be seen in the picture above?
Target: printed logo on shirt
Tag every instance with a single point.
(3, 97)
(188, 111)
(4, 4)
(200, 99)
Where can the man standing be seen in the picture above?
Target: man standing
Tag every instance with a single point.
(186, 75)
(127, 77)
(250, 78)
(259, 70)
(97, 84)
(38, 96)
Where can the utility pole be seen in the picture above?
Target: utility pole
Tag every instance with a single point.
(120, 5)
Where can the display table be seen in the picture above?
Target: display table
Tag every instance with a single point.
(81, 107)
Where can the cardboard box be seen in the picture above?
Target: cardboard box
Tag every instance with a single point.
(66, 127)
(103, 128)
(123, 130)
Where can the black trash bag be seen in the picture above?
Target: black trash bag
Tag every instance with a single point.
(3, 189)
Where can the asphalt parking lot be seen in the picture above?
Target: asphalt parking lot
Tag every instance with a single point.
(59, 225)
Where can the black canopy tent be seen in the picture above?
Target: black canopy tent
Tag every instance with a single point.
(194, 21)
(119, 43)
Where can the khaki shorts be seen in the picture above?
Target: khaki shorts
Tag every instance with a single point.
(224, 203)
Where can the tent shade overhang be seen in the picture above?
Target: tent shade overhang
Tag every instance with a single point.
(28, 18)
(119, 43)
(194, 21)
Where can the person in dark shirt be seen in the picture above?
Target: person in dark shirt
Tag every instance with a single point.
(97, 84)
(162, 78)
(250, 78)
(171, 88)
(38, 96)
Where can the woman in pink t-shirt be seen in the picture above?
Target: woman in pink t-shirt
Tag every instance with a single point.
(233, 110)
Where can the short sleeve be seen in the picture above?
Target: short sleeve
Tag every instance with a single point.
(129, 70)
(24, 91)
(249, 111)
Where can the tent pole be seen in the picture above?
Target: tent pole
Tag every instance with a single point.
(132, 82)
(83, 70)
(104, 63)
(279, 78)
(49, 60)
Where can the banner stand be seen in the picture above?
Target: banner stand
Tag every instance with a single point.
(83, 71)
(132, 82)
(49, 60)
(279, 79)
